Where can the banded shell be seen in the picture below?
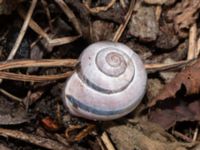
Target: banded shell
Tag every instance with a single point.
(110, 82)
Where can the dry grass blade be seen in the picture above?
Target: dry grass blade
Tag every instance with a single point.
(122, 27)
(38, 63)
(33, 25)
(99, 9)
(37, 140)
(63, 40)
(23, 30)
(52, 42)
(165, 67)
(34, 78)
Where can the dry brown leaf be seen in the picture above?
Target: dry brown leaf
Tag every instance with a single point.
(177, 112)
(188, 79)
(184, 14)
(170, 111)
(12, 113)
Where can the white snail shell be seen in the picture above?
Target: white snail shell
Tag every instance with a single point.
(110, 82)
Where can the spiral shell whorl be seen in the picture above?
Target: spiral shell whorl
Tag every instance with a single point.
(106, 67)
(111, 62)
(110, 83)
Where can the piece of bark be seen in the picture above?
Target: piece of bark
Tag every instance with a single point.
(143, 23)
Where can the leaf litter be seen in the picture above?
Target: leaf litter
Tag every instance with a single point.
(158, 30)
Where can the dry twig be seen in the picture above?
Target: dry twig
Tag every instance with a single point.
(99, 9)
(36, 140)
(122, 27)
(195, 134)
(165, 67)
(23, 30)
(52, 42)
(107, 141)
(182, 136)
(10, 95)
(192, 42)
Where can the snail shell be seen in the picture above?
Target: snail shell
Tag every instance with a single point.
(110, 82)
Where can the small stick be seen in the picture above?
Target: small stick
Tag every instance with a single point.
(52, 42)
(36, 140)
(22, 31)
(158, 12)
(198, 48)
(38, 63)
(195, 134)
(100, 143)
(34, 26)
(99, 9)
(192, 42)
(164, 67)
(122, 27)
(182, 136)
(10, 95)
(107, 141)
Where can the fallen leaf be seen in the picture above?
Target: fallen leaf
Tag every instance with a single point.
(188, 79)
(50, 124)
(172, 108)
(167, 118)
(12, 113)
(184, 14)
